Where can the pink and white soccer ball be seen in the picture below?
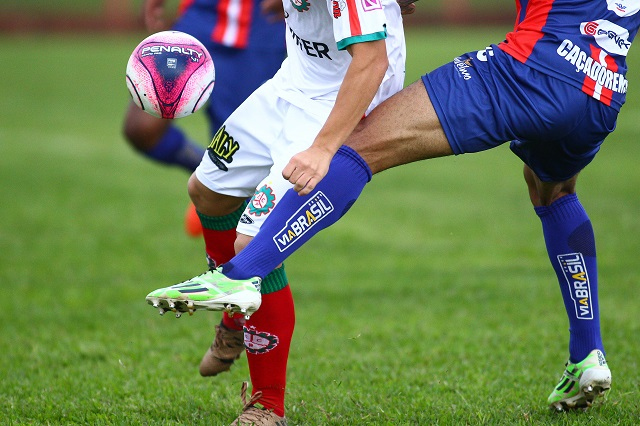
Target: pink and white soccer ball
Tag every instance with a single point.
(170, 74)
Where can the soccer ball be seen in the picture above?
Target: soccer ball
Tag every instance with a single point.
(170, 74)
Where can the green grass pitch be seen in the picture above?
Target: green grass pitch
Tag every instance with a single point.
(432, 302)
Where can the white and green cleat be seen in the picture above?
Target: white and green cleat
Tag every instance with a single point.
(582, 383)
(212, 291)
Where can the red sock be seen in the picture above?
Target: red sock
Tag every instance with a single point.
(219, 245)
(236, 322)
(267, 336)
(219, 248)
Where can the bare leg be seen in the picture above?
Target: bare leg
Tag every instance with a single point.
(160, 140)
(142, 130)
(401, 130)
(211, 203)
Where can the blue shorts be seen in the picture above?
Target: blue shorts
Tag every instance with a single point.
(238, 71)
(486, 98)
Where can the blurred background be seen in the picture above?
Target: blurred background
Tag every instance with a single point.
(124, 15)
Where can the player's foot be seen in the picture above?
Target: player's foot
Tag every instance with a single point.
(192, 225)
(212, 291)
(582, 383)
(255, 416)
(227, 346)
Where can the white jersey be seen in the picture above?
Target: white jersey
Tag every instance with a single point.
(284, 115)
(317, 34)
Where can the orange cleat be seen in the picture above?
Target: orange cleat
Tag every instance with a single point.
(192, 225)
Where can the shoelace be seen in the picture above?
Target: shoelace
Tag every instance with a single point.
(252, 415)
(254, 398)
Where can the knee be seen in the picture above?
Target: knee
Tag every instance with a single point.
(545, 193)
(197, 193)
(139, 137)
(141, 130)
(211, 203)
(548, 199)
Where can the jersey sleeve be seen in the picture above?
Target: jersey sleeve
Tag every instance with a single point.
(357, 21)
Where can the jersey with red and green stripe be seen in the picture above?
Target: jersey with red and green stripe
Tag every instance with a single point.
(318, 33)
(582, 42)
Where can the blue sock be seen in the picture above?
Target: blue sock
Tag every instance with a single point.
(572, 251)
(297, 218)
(174, 148)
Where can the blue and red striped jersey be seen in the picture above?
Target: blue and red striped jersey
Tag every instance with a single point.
(582, 42)
(234, 23)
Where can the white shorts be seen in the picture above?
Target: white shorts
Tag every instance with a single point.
(248, 153)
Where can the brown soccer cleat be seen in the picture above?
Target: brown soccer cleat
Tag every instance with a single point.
(254, 416)
(227, 346)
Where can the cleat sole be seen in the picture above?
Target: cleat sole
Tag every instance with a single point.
(180, 306)
(585, 399)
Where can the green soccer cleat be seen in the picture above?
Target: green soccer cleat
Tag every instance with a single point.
(212, 291)
(582, 383)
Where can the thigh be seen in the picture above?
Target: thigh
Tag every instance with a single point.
(240, 153)
(465, 98)
(401, 130)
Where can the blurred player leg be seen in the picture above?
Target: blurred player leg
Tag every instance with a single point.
(160, 140)
(163, 142)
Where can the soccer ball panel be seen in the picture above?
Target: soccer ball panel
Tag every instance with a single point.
(170, 74)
